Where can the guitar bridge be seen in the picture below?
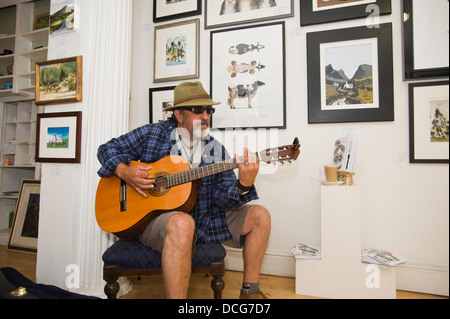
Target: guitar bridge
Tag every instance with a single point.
(123, 196)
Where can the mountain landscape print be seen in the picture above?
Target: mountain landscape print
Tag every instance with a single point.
(349, 75)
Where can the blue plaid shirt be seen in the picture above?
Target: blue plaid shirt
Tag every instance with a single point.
(218, 193)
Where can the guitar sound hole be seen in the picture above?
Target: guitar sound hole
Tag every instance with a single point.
(160, 188)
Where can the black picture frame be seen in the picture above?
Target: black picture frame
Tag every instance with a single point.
(214, 19)
(384, 111)
(308, 16)
(425, 146)
(251, 46)
(410, 71)
(181, 15)
(157, 97)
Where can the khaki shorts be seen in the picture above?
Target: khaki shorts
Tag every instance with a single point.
(155, 233)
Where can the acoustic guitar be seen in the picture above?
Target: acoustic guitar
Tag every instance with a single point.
(120, 210)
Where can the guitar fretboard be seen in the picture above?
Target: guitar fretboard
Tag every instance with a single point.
(200, 172)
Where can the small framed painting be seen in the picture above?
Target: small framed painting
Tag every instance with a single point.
(59, 81)
(164, 10)
(58, 137)
(24, 232)
(428, 122)
(177, 49)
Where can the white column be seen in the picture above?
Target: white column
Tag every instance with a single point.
(68, 231)
(107, 78)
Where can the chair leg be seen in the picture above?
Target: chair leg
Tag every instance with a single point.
(110, 275)
(217, 283)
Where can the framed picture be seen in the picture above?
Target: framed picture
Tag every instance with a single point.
(24, 231)
(428, 122)
(62, 16)
(350, 75)
(177, 49)
(322, 11)
(160, 98)
(58, 137)
(221, 13)
(426, 44)
(59, 81)
(41, 21)
(248, 77)
(175, 9)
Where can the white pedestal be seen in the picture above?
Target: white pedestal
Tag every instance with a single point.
(340, 273)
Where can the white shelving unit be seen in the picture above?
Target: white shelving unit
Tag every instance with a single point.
(18, 137)
(17, 108)
(28, 46)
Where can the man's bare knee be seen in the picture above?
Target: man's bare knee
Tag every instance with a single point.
(181, 228)
(261, 216)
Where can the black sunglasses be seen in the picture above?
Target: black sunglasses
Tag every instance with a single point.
(200, 109)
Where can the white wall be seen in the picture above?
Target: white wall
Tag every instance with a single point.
(405, 207)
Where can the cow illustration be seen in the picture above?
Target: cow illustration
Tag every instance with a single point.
(243, 91)
(235, 68)
(242, 48)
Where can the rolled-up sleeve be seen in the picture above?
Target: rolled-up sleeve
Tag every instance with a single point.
(123, 149)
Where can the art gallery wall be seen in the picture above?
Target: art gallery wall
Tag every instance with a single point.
(404, 207)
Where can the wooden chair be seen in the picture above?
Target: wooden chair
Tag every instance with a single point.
(132, 258)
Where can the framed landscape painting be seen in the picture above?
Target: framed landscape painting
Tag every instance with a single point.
(59, 80)
(350, 75)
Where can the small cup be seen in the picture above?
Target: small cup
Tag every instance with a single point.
(331, 173)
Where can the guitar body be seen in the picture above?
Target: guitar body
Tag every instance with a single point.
(128, 214)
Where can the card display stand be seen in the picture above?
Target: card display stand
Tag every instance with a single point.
(339, 274)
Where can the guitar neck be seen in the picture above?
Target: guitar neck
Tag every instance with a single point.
(200, 172)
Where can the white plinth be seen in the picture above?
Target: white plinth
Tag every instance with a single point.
(340, 273)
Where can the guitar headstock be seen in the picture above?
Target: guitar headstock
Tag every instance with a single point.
(281, 154)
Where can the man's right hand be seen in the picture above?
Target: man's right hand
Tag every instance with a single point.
(136, 176)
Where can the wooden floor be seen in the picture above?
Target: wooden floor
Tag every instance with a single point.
(151, 287)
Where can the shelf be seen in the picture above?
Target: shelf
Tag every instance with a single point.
(5, 59)
(36, 34)
(6, 92)
(38, 54)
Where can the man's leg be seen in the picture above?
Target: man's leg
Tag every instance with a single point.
(172, 235)
(256, 230)
(177, 255)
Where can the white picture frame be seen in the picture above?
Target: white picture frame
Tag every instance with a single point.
(185, 36)
(266, 108)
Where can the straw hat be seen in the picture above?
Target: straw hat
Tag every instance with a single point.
(190, 94)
